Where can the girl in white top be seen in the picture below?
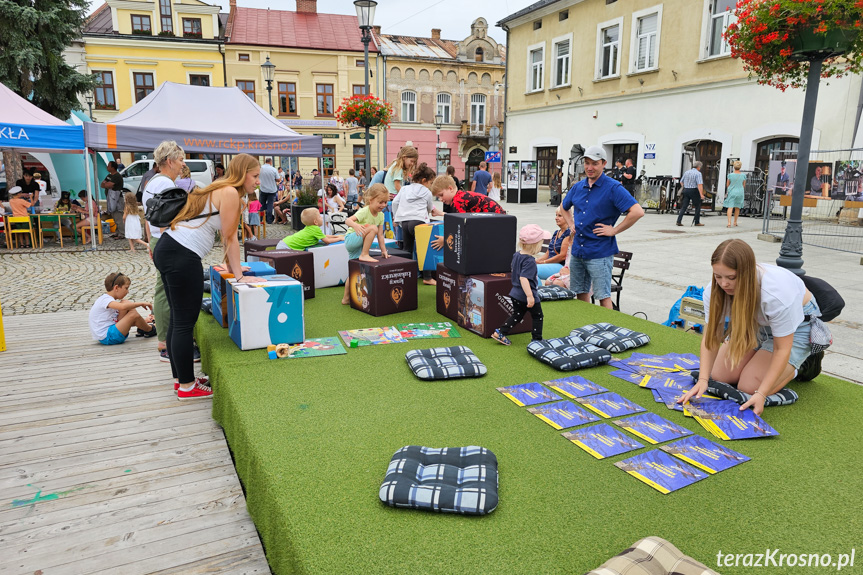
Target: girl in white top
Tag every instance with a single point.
(132, 222)
(767, 337)
(412, 206)
(494, 190)
(181, 248)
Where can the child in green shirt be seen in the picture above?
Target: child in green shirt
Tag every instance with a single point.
(311, 234)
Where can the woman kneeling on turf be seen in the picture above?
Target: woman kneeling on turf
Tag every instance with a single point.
(767, 336)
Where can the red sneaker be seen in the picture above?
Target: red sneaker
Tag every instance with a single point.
(199, 391)
(202, 380)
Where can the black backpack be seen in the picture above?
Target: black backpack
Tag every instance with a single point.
(829, 301)
(162, 208)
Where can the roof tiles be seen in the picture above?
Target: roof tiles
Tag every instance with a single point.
(297, 30)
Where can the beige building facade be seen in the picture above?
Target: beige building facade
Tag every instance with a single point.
(654, 82)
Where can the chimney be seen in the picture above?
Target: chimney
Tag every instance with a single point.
(377, 30)
(233, 4)
(307, 6)
(435, 33)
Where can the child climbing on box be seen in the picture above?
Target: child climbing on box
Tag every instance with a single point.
(412, 207)
(365, 225)
(523, 294)
(310, 235)
(111, 318)
(444, 188)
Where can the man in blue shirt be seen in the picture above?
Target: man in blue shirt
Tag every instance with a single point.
(693, 191)
(481, 180)
(597, 203)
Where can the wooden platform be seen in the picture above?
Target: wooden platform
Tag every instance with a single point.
(102, 470)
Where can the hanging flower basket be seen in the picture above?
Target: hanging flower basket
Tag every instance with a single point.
(776, 39)
(365, 111)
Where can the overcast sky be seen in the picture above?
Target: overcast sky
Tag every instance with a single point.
(414, 17)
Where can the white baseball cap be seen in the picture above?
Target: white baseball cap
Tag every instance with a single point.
(595, 153)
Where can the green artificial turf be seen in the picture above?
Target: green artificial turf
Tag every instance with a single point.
(312, 439)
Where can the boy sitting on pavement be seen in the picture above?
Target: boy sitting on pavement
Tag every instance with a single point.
(311, 234)
(111, 318)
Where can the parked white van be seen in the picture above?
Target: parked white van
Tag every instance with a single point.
(203, 172)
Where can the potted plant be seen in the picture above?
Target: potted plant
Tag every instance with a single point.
(365, 111)
(306, 198)
(776, 39)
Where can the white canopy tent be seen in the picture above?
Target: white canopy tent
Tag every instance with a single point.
(201, 119)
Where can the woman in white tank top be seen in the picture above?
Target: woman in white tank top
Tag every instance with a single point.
(178, 255)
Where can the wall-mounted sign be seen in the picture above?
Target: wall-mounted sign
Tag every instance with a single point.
(328, 136)
(650, 150)
(311, 123)
(513, 149)
(361, 136)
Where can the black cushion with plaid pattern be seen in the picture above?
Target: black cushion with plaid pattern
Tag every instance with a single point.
(445, 363)
(552, 293)
(447, 480)
(567, 353)
(611, 337)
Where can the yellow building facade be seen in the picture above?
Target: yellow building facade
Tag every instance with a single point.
(133, 46)
(312, 76)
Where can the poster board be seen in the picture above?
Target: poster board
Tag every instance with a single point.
(513, 181)
(528, 182)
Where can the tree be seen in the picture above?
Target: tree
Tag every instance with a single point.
(35, 33)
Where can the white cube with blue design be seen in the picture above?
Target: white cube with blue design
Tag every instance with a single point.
(331, 262)
(266, 313)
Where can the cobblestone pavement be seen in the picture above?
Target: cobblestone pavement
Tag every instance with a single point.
(70, 278)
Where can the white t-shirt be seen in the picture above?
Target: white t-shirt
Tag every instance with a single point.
(102, 317)
(156, 185)
(781, 305)
(412, 203)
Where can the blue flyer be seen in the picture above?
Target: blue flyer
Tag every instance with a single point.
(602, 440)
(528, 394)
(610, 404)
(652, 428)
(704, 454)
(563, 414)
(574, 386)
(661, 471)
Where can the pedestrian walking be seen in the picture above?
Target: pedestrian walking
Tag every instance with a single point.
(693, 192)
(269, 190)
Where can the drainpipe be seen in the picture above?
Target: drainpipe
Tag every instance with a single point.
(857, 119)
(505, 148)
(224, 65)
(382, 159)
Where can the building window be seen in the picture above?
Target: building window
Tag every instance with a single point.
(243, 57)
(444, 105)
(248, 88)
(199, 79)
(287, 98)
(141, 24)
(360, 63)
(166, 17)
(721, 16)
(143, 85)
(609, 52)
(359, 158)
(478, 55)
(477, 113)
(537, 24)
(443, 157)
(646, 47)
(409, 106)
(104, 93)
(536, 63)
(563, 15)
(359, 90)
(328, 161)
(192, 27)
(561, 62)
(324, 93)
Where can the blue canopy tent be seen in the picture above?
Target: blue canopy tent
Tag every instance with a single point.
(26, 127)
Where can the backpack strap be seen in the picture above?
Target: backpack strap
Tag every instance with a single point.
(199, 216)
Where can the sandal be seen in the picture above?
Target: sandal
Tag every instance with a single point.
(500, 338)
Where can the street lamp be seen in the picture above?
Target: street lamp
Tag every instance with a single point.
(438, 122)
(88, 97)
(366, 17)
(269, 71)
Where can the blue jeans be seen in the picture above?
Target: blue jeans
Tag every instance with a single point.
(267, 201)
(597, 272)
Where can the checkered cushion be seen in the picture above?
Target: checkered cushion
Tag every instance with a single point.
(567, 353)
(445, 363)
(611, 337)
(552, 293)
(652, 556)
(448, 479)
